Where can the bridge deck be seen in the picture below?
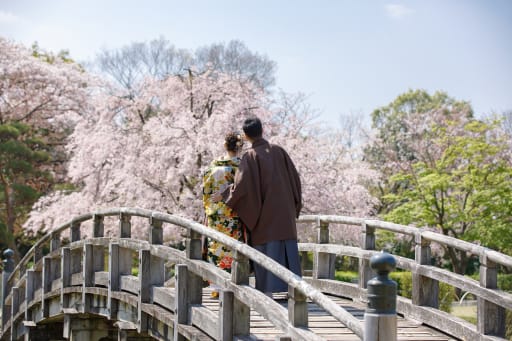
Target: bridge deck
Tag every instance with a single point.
(327, 327)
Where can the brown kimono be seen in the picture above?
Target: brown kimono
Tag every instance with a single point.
(267, 197)
(266, 193)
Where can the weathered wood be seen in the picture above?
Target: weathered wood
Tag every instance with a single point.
(490, 316)
(119, 264)
(87, 275)
(194, 247)
(30, 288)
(425, 290)
(47, 283)
(98, 226)
(367, 243)
(145, 282)
(125, 225)
(75, 231)
(15, 305)
(226, 316)
(55, 241)
(240, 268)
(156, 232)
(297, 308)
(205, 319)
(65, 269)
(181, 309)
(323, 263)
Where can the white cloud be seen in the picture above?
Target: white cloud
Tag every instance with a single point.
(397, 11)
(9, 18)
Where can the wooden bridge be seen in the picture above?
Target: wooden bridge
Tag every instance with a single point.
(85, 289)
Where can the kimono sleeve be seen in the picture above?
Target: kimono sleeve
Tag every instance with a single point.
(244, 195)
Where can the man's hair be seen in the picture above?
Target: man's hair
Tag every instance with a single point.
(252, 127)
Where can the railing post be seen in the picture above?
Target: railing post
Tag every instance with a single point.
(119, 263)
(490, 317)
(297, 308)
(75, 231)
(15, 305)
(195, 282)
(425, 290)
(367, 243)
(65, 269)
(8, 265)
(98, 226)
(380, 316)
(241, 312)
(125, 226)
(54, 242)
(151, 273)
(156, 233)
(323, 263)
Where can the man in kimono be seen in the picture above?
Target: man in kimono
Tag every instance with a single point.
(266, 194)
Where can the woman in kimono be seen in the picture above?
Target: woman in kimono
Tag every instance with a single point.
(219, 175)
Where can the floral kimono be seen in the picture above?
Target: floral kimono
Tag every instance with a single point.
(219, 175)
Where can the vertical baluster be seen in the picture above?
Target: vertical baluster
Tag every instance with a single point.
(30, 288)
(297, 308)
(98, 226)
(425, 290)
(323, 264)
(65, 269)
(54, 242)
(195, 282)
(156, 232)
(87, 275)
(125, 226)
(367, 243)
(151, 273)
(181, 300)
(75, 231)
(8, 266)
(240, 275)
(490, 316)
(15, 305)
(46, 285)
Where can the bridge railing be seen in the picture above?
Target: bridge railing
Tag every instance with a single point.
(55, 278)
(492, 303)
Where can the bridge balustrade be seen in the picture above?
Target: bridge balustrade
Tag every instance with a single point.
(93, 277)
(76, 277)
(492, 303)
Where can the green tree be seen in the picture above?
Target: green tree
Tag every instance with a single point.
(465, 193)
(23, 176)
(403, 133)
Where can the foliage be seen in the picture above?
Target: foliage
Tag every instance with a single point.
(443, 170)
(403, 134)
(404, 288)
(22, 177)
(41, 98)
(466, 193)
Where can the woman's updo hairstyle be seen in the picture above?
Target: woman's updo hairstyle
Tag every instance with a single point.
(233, 142)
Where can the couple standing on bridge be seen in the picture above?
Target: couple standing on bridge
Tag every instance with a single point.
(254, 199)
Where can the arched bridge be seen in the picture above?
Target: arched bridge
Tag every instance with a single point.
(89, 288)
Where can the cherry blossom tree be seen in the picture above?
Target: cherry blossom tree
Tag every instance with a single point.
(150, 151)
(42, 97)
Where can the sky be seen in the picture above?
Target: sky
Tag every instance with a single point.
(347, 57)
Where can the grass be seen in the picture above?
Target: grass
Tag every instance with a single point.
(467, 313)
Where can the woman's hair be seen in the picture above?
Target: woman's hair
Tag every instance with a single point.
(233, 142)
(252, 127)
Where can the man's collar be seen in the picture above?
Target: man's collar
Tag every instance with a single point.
(258, 142)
